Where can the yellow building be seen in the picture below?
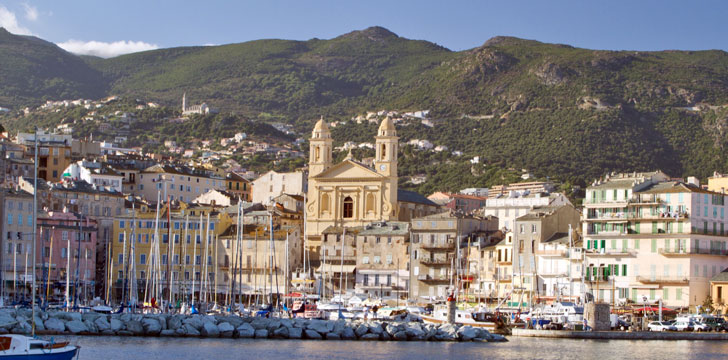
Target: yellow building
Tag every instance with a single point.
(187, 226)
(349, 193)
(718, 183)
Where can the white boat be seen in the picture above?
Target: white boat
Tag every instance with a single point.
(463, 317)
(24, 347)
(560, 313)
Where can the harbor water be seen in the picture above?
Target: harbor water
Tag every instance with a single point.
(112, 348)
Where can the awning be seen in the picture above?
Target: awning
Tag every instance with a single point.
(329, 268)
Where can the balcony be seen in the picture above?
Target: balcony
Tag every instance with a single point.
(504, 262)
(448, 245)
(663, 280)
(435, 262)
(436, 279)
(689, 252)
(611, 253)
(504, 278)
(552, 253)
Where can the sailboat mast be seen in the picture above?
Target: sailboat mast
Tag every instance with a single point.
(35, 222)
(341, 269)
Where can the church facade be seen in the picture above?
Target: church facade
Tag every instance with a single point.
(350, 194)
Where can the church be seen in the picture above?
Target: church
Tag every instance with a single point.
(350, 194)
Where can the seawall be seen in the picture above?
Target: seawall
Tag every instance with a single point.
(620, 335)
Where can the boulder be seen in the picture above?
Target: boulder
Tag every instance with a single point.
(91, 316)
(273, 324)
(235, 321)
(39, 324)
(295, 333)
(55, 325)
(281, 333)
(259, 323)
(376, 328)
(151, 326)
(190, 330)
(125, 333)
(7, 321)
(135, 326)
(287, 323)
(384, 336)
(361, 330)
(22, 327)
(72, 316)
(400, 336)
(209, 329)
(333, 336)
(181, 331)
(348, 334)
(467, 333)
(312, 334)
(261, 334)
(92, 329)
(369, 337)
(76, 326)
(194, 321)
(497, 338)
(226, 329)
(319, 326)
(245, 330)
(116, 325)
(102, 324)
(174, 322)
(168, 333)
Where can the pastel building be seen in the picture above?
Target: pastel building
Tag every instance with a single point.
(647, 238)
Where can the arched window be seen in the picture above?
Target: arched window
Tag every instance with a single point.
(384, 151)
(370, 203)
(317, 154)
(348, 208)
(325, 203)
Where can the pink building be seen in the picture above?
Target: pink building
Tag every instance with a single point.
(458, 202)
(58, 235)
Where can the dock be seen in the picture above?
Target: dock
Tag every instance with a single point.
(619, 335)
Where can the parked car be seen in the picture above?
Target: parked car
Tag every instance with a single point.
(698, 326)
(660, 326)
(683, 326)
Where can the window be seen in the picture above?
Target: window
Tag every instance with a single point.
(366, 279)
(121, 237)
(164, 259)
(377, 260)
(389, 258)
(121, 224)
(348, 207)
(142, 259)
(365, 260)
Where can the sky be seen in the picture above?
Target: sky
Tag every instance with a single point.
(108, 28)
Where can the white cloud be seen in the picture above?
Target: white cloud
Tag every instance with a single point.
(31, 12)
(10, 22)
(105, 49)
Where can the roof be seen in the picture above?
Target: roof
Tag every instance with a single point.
(386, 228)
(353, 230)
(235, 177)
(559, 237)
(321, 125)
(539, 212)
(675, 187)
(721, 276)
(387, 124)
(413, 197)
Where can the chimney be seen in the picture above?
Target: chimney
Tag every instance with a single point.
(692, 180)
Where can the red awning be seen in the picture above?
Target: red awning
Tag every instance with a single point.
(652, 309)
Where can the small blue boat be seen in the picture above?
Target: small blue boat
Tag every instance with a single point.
(27, 348)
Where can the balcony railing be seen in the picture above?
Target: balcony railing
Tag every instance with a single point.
(610, 252)
(435, 261)
(693, 251)
(448, 245)
(632, 216)
(663, 280)
(434, 279)
(552, 253)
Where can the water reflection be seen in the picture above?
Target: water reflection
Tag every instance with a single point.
(112, 348)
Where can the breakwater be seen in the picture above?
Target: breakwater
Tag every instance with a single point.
(18, 321)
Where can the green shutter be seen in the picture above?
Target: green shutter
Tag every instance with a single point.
(665, 293)
(654, 227)
(678, 294)
(634, 295)
(652, 294)
(624, 245)
(616, 270)
(604, 244)
(636, 244)
(588, 244)
(654, 245)
(680, 227)
(624, 269)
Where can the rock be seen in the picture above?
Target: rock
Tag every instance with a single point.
(273, 324)
(76, 326)
(312, 334)
(348, 334)
(295, 333)
(174, 322)
(497, 338)
(116, 325)
(7, 321)
(91, 316)
(194, 321)
(261, 334)
(319, 326)
(332, 336)
(209, 329)
(102, 324)
(39, 324)
(376, 328)
(384, 336)
(168, 333)
(91, 327)
(125, 333)
(245, 330)
(467, 333)
(181, 331)
(72, 316)
(151, 326)
(135, 326)
(107, 332)
(369, 337)
(361, 330)
(400, 336)
(235, 321)
(190, 330)
(287, 323)
(22, 327)
(55, 324)
(281, 333)
(226, 329)
(260, 323)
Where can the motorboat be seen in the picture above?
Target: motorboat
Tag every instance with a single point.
(24, 347)
(485, 320)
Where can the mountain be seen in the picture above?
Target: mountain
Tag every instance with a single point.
(32, 70)
(554, 109)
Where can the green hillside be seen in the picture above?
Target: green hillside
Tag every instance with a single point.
(557, 110)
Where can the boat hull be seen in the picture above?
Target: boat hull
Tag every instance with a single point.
(55, 354)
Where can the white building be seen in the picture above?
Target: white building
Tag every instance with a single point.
(95, 173)
(509, 207)
(272, 184)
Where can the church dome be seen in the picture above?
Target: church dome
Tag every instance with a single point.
(321, 125)
(387, 125)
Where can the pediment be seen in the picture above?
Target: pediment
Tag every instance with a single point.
(348, 169)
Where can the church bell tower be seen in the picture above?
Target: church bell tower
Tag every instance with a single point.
(320, 149)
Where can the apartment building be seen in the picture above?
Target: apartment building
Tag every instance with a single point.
(239, 185)
(437, 241)
(647, 238)
(508, 207)
(382, 260)
(272, 184)
(177, 182)
(542, 271)
(54, 153)
(16, 218)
